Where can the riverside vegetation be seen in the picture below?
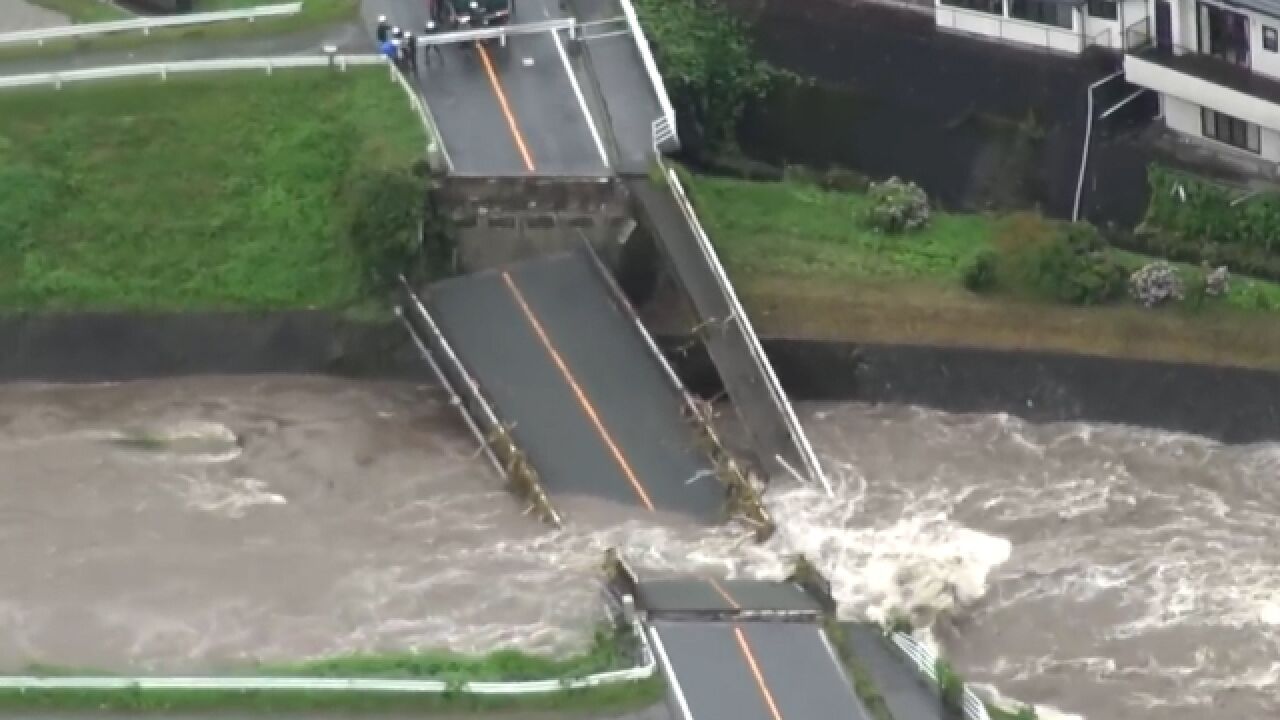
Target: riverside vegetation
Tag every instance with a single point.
(314, 14)
(609, 650)
(810, 261)
(229, 191)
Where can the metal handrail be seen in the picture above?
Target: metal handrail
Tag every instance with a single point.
(927, 664)
(502, 32)
(269, 64)
(645, 670)
(650, 66)
(739, 314)
(147, 24)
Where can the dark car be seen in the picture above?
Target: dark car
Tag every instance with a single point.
(477, 13)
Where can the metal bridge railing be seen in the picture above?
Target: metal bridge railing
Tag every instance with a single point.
(147, 24)
(798, 437)
(927, 664)
(651, 67)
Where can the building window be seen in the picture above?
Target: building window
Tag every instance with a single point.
(1104, 9)
(993, 7)
(1043, 12)
(1269, 38)
(1230, 130)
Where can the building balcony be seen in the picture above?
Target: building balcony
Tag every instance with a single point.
(1211, 81)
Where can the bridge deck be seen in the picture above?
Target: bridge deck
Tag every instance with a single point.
(697, 595)
(591, 405)
(754, 671)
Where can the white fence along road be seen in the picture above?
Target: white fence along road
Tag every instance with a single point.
(147, 24)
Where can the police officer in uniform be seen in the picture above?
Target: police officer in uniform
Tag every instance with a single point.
(411, 51)
(429, 47)
(383, 29)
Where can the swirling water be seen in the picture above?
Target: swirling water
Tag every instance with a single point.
(191, 524)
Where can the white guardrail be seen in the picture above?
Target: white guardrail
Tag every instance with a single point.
(643, 671)
(927, 663)
(163, 70)
(650, 66)
(147, 24)
(810, 459)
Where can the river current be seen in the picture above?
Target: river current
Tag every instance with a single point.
(197, 524)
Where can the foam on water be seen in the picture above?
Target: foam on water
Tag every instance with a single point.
(1114, 572)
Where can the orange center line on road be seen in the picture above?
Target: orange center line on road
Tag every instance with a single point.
(755, 671)
(577, 391)
(725, 594)
(506, 107)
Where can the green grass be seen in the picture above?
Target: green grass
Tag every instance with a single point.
(806, 267)
(205, 192)
(314, 14)
(608, 651)
(604, 699)
(791, 228)
(84, 11)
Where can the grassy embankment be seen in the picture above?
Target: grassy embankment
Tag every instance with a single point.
(229, 191)
(806, 266)
(315, 14)
(606, 653)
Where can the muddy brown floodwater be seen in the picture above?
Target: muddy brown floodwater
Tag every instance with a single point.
(193, 524)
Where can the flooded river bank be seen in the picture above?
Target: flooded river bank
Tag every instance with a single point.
(192, 524)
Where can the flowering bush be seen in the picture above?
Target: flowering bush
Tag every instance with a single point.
(897, 206)
(1218, 282)
(1156, 283)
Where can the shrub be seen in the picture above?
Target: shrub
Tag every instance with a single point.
(386, 213)
(1218, 282)
(709, 66)
(1202, 212)
(1074, 266)
(1155, 284)
(950, 690)
(897, 206)
(982, 273)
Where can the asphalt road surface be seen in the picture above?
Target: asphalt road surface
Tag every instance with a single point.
(514, 110)
(590, 403)
(756, 671)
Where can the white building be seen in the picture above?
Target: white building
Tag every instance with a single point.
(1216, 66)
(1066, 26)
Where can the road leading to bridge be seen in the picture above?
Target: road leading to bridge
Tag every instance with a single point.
(514, 110)
(744, 650)
(588, 400)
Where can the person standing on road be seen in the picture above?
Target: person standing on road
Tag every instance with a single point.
(383, 29)
(429, 47)
(411, 51)
(388, 49)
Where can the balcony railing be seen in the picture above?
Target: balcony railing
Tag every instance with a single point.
(1217, 68)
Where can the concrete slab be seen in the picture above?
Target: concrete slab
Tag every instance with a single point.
(755, 671)
(514, 328)
(695, 594)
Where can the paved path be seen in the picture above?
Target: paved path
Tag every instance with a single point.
(591, 405)
(903, 690)
(21, 15)
(659, 712)
(514, 110)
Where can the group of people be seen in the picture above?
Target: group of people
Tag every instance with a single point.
(401, 46)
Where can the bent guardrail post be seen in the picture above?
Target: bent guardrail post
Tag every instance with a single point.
(521, 475)
(743, 497)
